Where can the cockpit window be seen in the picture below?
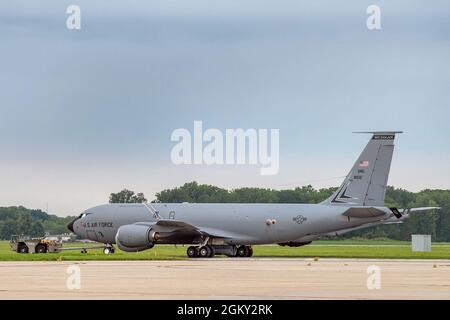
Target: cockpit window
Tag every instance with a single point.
(84, 214)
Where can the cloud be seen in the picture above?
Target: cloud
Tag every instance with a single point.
(104, 100)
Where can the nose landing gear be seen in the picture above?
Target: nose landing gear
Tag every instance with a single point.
(108, 249)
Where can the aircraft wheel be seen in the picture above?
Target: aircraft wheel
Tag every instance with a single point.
(212, 252)
(249, 251)
(108, 250)
(192, 252)
(242, 251)
(204, 252)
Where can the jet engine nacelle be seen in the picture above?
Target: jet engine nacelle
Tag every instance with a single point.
(294, 244)
(133, 238)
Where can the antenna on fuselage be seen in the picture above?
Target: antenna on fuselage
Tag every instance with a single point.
(152, 210)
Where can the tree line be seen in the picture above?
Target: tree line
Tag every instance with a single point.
(31, 222)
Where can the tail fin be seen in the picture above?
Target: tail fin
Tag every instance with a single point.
(366, 183)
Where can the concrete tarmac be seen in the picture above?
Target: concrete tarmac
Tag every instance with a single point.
(227, 278)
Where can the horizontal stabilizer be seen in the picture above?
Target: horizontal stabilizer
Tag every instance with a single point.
(393, 222)
(363, 212)
(404, 213)
(411, 210)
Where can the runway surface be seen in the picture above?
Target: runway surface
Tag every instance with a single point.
(286, 278)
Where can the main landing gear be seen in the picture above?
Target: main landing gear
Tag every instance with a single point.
(200, 252)
(244, 251)
(208, 251)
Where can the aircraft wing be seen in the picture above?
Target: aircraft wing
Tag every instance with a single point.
(178, 226)
(170, 225)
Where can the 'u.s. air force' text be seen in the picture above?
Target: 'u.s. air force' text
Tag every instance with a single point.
(97, 225)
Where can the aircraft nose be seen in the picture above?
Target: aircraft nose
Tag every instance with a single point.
(70, 225)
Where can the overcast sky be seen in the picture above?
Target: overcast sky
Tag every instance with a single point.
(84, 113)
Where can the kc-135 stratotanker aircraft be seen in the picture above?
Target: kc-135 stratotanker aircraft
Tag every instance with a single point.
(232, 228)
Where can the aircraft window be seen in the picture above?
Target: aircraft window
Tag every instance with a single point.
(84, 214)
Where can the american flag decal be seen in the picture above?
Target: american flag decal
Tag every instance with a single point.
(364, 164)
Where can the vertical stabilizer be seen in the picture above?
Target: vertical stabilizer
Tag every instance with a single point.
(366, 183)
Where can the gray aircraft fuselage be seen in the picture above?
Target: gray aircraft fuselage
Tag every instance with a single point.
(238, 223)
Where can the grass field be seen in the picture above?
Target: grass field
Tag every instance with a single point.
(319, 249)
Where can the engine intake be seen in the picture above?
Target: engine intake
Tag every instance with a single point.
(133, 238)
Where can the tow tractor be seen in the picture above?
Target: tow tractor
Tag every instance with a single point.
(25, 244)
